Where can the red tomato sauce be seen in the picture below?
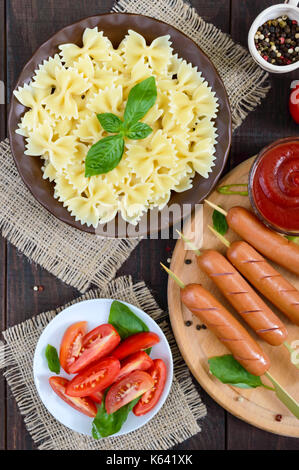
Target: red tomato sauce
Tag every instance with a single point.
(275, 186)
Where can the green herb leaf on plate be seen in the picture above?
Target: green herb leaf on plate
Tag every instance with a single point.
(293, 239)
(125, 321)
(104, 156)
(110, 122)
(228, 370)
(53, 359)
(141, 99)
(139, 131)
(105, 425)
(228, 191)
(219, 223)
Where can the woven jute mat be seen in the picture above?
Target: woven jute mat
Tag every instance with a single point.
(81, 259)
(175, 422)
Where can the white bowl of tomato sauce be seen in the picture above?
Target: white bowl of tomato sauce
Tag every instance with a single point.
(274, 186)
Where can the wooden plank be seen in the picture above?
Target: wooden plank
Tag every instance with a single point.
(29, 24)
(270, 121)
(2, 241)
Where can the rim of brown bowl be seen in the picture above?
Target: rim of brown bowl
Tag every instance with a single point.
(115, 27)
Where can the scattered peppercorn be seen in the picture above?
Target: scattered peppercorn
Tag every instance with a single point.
(278, 418)
(188, 323)
(188, 261)
(277, 41)
(204, 327)
(198, 327)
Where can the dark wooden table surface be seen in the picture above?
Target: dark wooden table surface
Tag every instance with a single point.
(24, 25)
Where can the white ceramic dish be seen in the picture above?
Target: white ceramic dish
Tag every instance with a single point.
(288, 8)
(95, 312)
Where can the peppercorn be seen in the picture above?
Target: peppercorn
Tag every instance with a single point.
(188, 323)
(278, 418)
(188, 261)
(277, 40)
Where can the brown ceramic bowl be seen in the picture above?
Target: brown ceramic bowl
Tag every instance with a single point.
(115, 26)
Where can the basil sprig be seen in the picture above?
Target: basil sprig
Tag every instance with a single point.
(105, 425)
(125, 321)
(228, 370)
(219, 222)
(106, 154)
(52, 359)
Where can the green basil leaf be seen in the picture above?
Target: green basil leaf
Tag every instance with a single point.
(139, 131)
(228, 370)
(293, 239)
(219, 223)
(125, 321)
(110, 122)
(53, 359)
(104, 156)
(141, 98)
(105, 425)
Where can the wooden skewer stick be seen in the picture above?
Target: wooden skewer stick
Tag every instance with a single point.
(174, 277)
(280, 392)
(190, 243)
(217, 208)
(227, 243)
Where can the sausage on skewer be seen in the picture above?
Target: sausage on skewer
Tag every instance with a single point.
(243, 298)
(269, 243)
(224, 325)
(265, 278)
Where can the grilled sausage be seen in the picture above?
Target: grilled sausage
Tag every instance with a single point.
(265, 278)
(242, 297)
(227, 329)
(269, 243)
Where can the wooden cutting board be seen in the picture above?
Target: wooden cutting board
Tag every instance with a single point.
(259, 406)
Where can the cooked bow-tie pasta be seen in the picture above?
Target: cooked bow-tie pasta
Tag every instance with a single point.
(60, 125)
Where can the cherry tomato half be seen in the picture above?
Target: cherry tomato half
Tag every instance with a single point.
(134, 343)
(97, 397)
(127, 389)
(95, 378)
(149, 400)
(137, 361)
(84, 405)
(71, 344)
(97, 343)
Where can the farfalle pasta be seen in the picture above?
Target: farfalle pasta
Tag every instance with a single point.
(60, 125)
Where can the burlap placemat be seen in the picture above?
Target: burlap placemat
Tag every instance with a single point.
(82, 259)
(176, 421)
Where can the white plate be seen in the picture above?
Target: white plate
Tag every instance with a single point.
(95, 312)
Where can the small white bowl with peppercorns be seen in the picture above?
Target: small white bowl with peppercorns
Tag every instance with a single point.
(273, 38)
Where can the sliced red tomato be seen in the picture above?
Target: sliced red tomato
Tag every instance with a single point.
(94, 378)
(71, 344)
(97, 397)
(137, 361)
(98, 343)
(85, 405)
(127, 389)
(134, 343)
(149, 400)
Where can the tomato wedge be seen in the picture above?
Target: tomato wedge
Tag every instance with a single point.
(84, 405)
(71, 344)
(97, 397)
(95, 378)
(127, 389)
(149, 400)
(134, 343)
(97, 343)
(137, 361)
